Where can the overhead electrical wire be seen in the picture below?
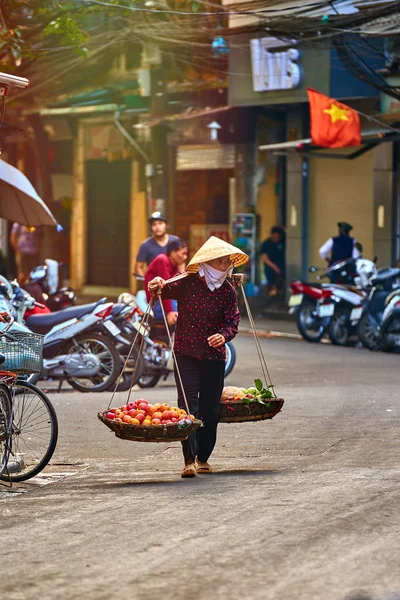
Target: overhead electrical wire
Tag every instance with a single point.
(312, 5)
(152, 31)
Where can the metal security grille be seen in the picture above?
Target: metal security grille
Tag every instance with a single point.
(197, 158)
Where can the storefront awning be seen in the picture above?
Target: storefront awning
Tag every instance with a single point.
(304, 146)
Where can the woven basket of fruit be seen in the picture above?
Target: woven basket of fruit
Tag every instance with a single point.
(140, 421)
(239, 405)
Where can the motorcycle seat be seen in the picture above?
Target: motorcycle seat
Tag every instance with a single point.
(44, 323)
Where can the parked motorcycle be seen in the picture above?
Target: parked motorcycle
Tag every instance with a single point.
(44, 286)
(74, 350)
(157, 355)
(348, 309)
(389, 331)
(331, 307)
(383, 284)
(26, 306)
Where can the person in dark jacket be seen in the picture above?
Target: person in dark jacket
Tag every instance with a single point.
(273, 256)
(208, 317)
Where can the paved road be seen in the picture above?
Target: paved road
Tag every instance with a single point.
(303, 507)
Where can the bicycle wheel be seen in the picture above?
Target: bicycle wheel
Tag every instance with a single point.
(5, 426)
(34, 432)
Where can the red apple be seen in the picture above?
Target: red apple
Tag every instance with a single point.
(131, 405)
(113, 410)
(140, 418)
(139, 400)
(110, 415)
(173, 420)
(156, 422)
(143, 405)
(132, 412)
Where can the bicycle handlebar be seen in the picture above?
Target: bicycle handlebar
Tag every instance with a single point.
(10, 323)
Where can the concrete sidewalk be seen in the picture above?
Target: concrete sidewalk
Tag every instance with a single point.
(269, 327)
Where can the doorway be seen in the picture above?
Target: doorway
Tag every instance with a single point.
(108, 191)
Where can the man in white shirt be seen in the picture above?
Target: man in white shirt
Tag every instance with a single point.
(340, 247)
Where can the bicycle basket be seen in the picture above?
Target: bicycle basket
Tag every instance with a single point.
(23, 352)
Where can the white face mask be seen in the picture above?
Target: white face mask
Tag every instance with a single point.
(214, 278)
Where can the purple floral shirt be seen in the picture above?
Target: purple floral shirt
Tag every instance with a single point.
(202, 313)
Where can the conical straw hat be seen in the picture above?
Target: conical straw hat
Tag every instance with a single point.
(215, 248)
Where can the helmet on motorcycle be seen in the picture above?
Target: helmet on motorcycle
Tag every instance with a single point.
(157, 216)
(366, 270)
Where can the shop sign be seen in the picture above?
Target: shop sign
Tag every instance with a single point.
(271, 69)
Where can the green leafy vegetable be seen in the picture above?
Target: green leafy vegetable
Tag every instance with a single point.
(258, 384)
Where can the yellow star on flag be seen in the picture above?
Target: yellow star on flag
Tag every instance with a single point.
(336, 113)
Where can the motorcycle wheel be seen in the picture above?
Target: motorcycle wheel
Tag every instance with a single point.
(230, 358)
(125, 378)
(367, 333)
(308, 325)
(110, 363)
(338, 331)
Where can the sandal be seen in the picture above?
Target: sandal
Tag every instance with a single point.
(203, 467)
(189, 471)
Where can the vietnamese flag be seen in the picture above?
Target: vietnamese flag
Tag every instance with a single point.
(333, 124)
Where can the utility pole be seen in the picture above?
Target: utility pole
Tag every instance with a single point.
(158, 140)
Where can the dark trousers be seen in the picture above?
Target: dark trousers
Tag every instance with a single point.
(203, 382)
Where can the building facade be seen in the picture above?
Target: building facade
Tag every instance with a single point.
(318, 188)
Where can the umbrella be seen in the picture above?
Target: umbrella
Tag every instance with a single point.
(19, 200)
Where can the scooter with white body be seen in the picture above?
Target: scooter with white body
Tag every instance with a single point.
(73, 350)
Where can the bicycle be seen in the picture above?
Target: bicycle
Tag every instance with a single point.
(28, 421)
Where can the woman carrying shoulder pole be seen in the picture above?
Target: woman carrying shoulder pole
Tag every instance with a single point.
(208, 317)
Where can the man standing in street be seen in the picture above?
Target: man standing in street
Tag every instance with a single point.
(166, 266)
(26, 243)
(273, 256)
(154, 245)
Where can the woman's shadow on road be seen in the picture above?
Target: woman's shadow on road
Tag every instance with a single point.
(199, 481)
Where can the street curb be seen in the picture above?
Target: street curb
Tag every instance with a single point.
(277, 334)
(270, 334)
